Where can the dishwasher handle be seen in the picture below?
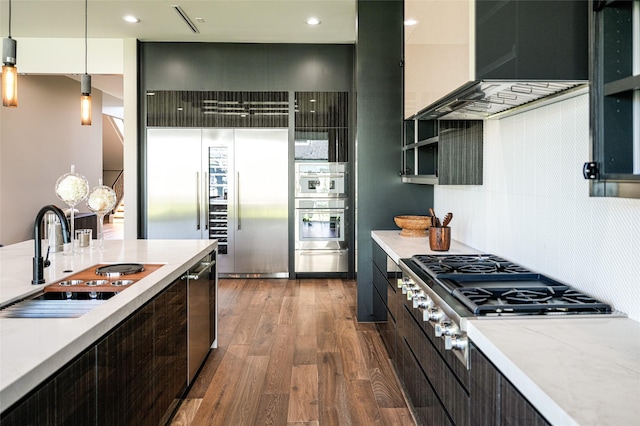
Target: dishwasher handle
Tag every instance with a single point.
(206, 266)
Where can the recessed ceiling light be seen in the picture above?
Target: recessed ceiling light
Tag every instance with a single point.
(410, 22)
(131, 19)
(313, 21)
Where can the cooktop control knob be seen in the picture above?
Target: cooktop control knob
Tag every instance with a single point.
(401, 281)
(418, 297)
(424, 302)
(456, 342)
(446, 328)
(412, 290)
(434, 314)
(406, 283)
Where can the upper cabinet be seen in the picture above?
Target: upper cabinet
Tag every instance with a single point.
(437, 54)
(531, 40)
(473, 59)
(467, 60)
(615, 99)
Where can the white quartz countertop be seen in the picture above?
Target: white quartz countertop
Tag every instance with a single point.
(575, 371)
(399, 247)
(33, 349)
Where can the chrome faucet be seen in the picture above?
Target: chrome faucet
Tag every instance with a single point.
(38, 262)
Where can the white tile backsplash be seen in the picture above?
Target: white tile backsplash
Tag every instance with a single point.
(534, 207)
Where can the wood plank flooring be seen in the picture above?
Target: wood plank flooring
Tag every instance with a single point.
(290, 352)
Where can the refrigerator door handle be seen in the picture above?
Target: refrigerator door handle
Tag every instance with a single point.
(205, 200)
(238, 201)
(198, 200)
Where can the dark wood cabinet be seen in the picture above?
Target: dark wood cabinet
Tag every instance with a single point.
(443, 378)
(424, 401)
(439, 388)
(69, 397)
(125, 357)
(385, 301)
(142, 364)
(515, 410)
(444, 152)
(133, 375)
(495, 400)
(169, 350)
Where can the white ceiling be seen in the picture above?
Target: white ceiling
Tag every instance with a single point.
(252, 21)
(261, 21)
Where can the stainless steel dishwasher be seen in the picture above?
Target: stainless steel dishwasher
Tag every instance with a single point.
(198, 322)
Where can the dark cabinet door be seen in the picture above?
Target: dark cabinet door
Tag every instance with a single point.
(532, 39)
(170, 349)
(484, 387)
(67, 398)
(125, 371)
(515, 410)
(425, 403)
(142, 364)
(494, 400)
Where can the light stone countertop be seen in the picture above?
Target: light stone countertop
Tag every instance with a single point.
(33, 349)
(574, 371)
(399, 247)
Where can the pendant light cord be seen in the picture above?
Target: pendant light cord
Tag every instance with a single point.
(85, 36)
(9, 18)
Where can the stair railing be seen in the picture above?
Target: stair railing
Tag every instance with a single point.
(118, 187)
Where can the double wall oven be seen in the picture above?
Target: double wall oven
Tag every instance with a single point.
(320, 218)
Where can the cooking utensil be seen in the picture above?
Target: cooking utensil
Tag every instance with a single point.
(435, 222)
(447, 219)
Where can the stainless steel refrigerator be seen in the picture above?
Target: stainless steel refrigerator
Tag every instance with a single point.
(224, 184)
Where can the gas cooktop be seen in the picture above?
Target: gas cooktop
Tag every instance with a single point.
(444, 265)
(490, 285)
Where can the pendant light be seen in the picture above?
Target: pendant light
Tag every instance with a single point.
(9, 70)
(85, 82)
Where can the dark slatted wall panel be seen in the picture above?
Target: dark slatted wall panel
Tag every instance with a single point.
(460, 153)
(177, 108)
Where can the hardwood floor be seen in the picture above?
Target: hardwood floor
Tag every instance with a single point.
(292, 353)
(113, 230)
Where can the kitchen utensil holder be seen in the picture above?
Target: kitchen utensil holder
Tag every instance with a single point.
(439, 238)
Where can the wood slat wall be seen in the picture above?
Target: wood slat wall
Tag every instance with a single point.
(460, 152)
(291, 352)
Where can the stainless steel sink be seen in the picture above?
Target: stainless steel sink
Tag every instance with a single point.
(56, 305)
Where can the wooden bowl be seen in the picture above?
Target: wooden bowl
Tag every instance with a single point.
(413, 226)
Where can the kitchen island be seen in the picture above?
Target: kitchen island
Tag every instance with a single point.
(572, 370)
(32, 349)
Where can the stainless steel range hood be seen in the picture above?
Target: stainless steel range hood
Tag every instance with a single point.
(496, 98)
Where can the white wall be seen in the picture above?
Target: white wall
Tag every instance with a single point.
(39, 141)
(534, 207)
(47, 56)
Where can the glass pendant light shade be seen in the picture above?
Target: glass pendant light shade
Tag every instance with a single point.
(9, 86)
(85, 100)
(9, 73)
